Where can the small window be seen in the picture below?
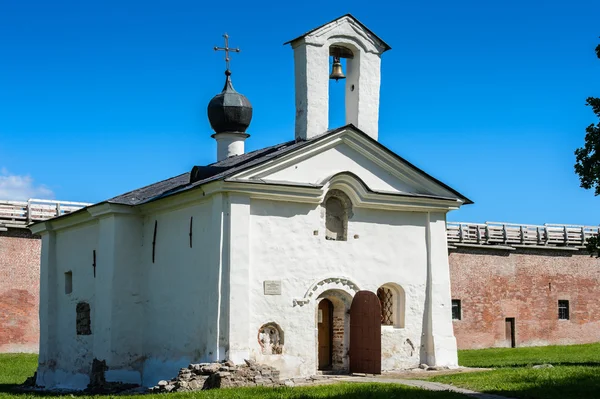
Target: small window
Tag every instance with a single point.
(386, 300)
(563, 310)
(456, 310)
(335, 219)
(338, 209)
(392, 301)
(68, 282)
(83, 322)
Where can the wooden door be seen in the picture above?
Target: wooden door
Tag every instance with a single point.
(325, 327)
(510, 331)
(365, 334)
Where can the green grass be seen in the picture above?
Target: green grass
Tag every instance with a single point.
(588, 354)
(576, 372)
(15, 368)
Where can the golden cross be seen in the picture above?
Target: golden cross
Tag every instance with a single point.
(227, 49)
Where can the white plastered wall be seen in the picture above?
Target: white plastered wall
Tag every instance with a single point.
(440, 346)
(65, 357)
(284, 247)
(342, 158)
(118, 292)
(181, 288)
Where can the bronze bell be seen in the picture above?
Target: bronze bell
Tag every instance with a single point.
(336, 70)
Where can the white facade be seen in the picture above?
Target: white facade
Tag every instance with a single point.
(236, 268)
(206, 301)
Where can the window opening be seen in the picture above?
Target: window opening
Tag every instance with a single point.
(83, 322)
(338, 209)
(386, 300)
(456, 310)
(563, 310)
(335, 219)
(68, 282)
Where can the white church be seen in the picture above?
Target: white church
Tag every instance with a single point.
(323, 253)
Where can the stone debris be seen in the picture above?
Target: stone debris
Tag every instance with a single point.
(221, 375)
(425, 367)
(543, 366)
(437, 368)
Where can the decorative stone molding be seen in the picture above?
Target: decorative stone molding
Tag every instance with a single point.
(301, 301)
(330, 283)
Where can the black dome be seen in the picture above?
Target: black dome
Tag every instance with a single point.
(229, 111)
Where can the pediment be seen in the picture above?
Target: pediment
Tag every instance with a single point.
(344, 26)
(351, 153)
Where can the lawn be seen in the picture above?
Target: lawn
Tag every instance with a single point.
(576, 372)
(15, 368)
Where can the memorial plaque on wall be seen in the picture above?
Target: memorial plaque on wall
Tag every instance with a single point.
(272, 287)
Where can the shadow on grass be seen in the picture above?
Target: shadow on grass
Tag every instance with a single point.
(555, 388)
(530, 364)
(560, 382)
(333, 391)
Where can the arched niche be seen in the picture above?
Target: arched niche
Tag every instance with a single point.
(271, 339)
(338, 209)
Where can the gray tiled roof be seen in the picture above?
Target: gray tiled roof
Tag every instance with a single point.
(221, 170)
(215, 171)
(145, 193)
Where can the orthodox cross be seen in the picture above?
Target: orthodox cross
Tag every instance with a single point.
(227, 49)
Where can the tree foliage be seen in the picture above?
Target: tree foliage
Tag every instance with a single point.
(587, 164)
(588, 156)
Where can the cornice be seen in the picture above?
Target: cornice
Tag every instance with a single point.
(106, 208)
(87, 215)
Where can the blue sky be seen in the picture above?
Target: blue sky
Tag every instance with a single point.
(101, 97)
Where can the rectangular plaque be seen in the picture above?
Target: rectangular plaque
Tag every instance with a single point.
(272, 287)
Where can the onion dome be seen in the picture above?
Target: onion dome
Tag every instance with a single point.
(229, 111)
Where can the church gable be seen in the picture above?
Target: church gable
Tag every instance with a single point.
(344, 26)
(349, 151)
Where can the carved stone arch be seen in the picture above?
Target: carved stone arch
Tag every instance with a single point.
(330, 283)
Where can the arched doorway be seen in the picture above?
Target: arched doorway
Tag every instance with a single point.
(332, 331)
(325, 334)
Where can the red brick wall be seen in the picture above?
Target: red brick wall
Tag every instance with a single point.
(525, 284)
(19, 291)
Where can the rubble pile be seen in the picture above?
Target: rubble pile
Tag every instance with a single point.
(220, 375)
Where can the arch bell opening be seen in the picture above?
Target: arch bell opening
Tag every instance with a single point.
(332, 319)
(343, 99)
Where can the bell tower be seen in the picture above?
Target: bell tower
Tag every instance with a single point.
(344, 37)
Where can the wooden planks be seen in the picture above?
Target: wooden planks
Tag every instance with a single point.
(22, 213)
(522, 234)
